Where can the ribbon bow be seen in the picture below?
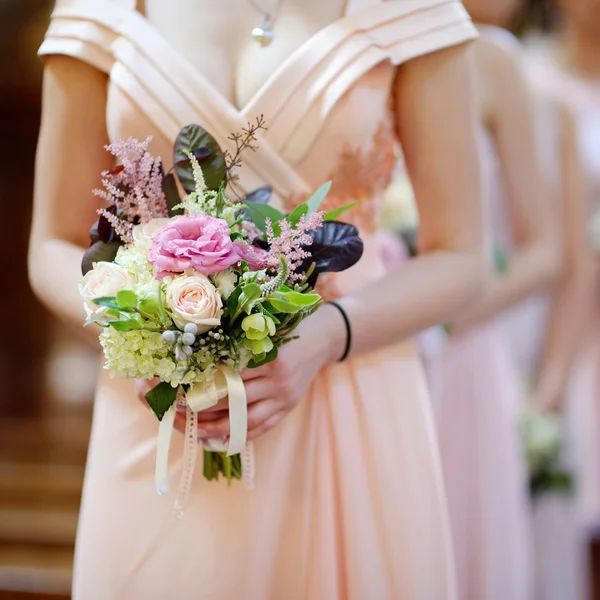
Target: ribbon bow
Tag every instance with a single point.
(201, 396)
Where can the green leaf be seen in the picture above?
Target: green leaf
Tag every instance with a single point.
(283, 306)
(161, 398)
(233, 300)
(127, 325)
(298, 212)
(126, 299)
(334, 214)
(197, 141)
(263, 360)
(169, 187)
(99, 252)
(314, 202)
(107, 302)
(150, 307)
(260, 212)
(292, 302)
(251, 292)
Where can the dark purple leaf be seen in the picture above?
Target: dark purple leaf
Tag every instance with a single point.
(260, 196)
(106, 233)
(194, 139)
(99, 252)
(336, 247)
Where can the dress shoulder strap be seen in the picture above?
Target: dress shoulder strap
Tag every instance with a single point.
(353, 6)
(74, 30)
(302, 93)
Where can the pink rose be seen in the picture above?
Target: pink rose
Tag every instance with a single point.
(198, 241)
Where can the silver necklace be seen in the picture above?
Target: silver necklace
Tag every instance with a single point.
(264, 33)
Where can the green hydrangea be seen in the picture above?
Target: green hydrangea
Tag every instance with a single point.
(137, 354)
(135, 260)
(142, 354)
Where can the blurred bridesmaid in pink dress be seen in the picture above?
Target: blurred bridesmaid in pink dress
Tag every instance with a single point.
(475, 382)
(566, 68)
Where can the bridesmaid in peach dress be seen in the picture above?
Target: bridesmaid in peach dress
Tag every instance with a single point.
(475, 383)
(348, 500)
(566, 68)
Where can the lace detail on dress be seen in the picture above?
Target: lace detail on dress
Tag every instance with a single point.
(361, 174)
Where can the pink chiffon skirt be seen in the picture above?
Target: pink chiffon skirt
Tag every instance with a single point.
(477, 399)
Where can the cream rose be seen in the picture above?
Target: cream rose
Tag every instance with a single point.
(143, 233)
(194, 299)
(105, 279)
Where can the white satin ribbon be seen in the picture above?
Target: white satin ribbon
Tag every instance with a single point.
(201, 396)
(165, 429)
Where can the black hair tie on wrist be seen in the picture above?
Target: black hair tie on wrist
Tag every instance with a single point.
(348, 331)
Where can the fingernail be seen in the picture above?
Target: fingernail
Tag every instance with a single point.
(202, 433)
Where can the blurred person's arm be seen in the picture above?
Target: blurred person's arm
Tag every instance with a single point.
(508, 112)
(70, 158)
(572, 303)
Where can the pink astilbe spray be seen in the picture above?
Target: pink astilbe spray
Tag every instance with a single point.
(292, 242)
(134, 188)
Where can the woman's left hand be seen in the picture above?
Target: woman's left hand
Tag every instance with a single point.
(274, 389)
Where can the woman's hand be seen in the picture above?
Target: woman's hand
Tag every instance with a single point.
(273, 390)
(549, 396)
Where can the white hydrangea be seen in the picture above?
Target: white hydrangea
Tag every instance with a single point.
(135, 260)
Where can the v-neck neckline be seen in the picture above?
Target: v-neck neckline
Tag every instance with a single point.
(255, 98)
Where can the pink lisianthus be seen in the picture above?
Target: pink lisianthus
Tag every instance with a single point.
(200, 242)
(257, 258)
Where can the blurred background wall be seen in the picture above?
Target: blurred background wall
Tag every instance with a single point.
(44, 416)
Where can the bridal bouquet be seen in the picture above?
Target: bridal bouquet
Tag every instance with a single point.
(543, 439)
(191, 286)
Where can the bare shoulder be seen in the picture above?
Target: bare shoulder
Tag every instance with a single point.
(74, 72)
(499, 65)
(498, 48)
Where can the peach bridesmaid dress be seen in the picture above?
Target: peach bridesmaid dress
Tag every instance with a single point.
(348, 500)
(477, 398)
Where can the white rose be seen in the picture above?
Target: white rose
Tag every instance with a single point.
(225, 282)
(194, 299)
(105, 279)
(143, 233)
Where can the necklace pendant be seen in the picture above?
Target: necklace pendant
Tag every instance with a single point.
(263, 35)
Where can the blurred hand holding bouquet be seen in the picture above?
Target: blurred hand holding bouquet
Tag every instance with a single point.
(192, 290)
(543, 439)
